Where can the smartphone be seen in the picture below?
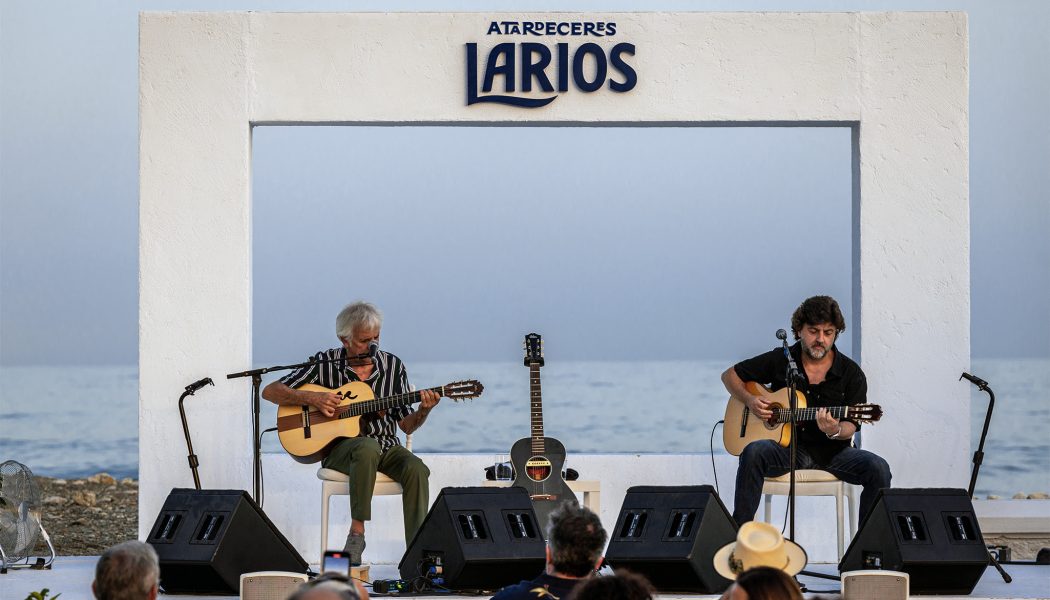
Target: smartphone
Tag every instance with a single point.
(336, 560)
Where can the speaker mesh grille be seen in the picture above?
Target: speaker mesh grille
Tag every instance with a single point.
(875, 586)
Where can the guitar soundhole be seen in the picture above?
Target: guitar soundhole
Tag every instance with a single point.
(774, 420)
(538, 468)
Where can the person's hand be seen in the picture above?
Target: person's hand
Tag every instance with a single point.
(827, 423)
(326, 402)
(759, 407)
(428, 399)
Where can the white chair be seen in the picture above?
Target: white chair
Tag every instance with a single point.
(814, 482)
(334, 483)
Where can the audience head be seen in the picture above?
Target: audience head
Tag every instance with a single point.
(624, 585)
(759, 545)
(763, 583)
(330, 585)
(128, 571)
(575, 540)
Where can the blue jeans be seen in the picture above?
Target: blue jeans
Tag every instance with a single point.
(767, 458)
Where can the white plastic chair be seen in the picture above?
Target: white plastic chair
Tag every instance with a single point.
(334, 483)
(814, 482)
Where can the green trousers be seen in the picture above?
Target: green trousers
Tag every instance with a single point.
(361, 457)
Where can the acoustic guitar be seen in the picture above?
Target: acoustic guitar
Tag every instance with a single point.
(538, 460)
(742, 427)
(308, 435)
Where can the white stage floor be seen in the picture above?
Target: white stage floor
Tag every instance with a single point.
(71, 576)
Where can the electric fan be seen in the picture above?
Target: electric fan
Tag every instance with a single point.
(20, 518)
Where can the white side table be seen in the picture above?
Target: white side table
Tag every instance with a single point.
(591, 490)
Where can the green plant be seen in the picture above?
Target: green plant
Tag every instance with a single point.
(41, 595)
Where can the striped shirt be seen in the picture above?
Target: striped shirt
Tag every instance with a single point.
(388, 378)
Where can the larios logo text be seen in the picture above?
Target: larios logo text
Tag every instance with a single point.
(543, 70)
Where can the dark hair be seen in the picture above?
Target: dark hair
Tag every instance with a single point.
(576, 539)
(767, 583)
(815, 311)
(624, 585)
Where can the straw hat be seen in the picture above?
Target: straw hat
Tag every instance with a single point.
(759, 545)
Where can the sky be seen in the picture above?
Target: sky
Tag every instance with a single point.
(606, 262)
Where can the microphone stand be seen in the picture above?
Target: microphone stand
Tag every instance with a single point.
(978, 456)
(792, 377)
(256, 375)
(194, 463)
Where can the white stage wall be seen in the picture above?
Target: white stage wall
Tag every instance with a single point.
(900, 80)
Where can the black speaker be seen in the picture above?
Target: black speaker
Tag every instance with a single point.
(206, 539)
(670, 535)
(477, 538)
(930, 534)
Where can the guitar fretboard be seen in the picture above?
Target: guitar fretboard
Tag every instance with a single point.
(783, 415)
(536, 409)
(370, 406)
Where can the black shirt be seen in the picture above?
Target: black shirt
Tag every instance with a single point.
(844, 385)
(545, 586)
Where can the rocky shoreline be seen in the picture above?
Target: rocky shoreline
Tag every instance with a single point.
(83, 517)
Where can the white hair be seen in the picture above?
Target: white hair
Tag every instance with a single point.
(356, 316)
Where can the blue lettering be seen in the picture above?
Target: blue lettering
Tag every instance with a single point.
(630, 77)
(506, 50)
(530, 69)
(577, 67)
(563, 67)
(610, 28)
(493, 28)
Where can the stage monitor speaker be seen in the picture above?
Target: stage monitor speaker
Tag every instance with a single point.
(206, 539)
(270, 585)
(875, 585)
(670, 535)
(930, 534)
(481, 538)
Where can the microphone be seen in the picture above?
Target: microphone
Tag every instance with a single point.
(974, 380)
(373, 348)
(793, 372)
(196, 385)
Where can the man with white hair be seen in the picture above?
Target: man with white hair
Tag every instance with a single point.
(128, 571)
(377, 448)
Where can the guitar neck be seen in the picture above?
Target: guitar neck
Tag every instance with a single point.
(536, 408)
(378, 404)
(810, 413)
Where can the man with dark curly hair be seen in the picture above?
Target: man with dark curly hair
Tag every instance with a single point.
(829, 378)
(575, 540)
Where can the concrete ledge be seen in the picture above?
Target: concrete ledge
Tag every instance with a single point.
(1013, 516)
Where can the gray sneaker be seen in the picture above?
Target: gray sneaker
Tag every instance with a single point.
(354, 548)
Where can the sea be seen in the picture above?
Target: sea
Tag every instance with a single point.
(77, 421)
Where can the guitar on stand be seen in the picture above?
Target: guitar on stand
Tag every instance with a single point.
(538, 460)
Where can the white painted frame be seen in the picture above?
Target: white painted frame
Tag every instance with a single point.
(900, 80)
